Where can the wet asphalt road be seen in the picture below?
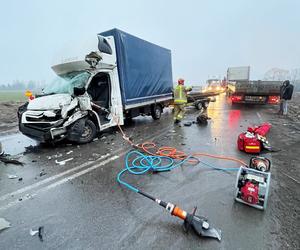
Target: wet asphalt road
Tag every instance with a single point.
(81, 206)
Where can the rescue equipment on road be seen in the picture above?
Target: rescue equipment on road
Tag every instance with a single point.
(149, 157)
(254, 140)
(252, 184)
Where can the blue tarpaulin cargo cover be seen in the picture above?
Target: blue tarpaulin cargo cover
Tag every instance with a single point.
(145, 69)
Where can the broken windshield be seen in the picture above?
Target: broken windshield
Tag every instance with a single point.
(66, 83)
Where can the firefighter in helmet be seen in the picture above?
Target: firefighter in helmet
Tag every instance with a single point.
(180, 100)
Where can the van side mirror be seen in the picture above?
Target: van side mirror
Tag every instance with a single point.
(79, 91)
(103, 45)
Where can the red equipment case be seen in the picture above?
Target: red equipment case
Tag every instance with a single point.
(248, 143)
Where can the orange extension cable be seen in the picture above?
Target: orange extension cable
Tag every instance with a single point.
(172, 152)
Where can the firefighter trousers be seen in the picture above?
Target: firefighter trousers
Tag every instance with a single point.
(179, 111)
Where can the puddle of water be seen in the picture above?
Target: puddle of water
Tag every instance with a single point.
(16, 143)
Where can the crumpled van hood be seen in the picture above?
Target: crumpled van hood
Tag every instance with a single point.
(49, 102)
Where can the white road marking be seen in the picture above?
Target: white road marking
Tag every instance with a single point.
(62, 181)
(259, 117)
(35, 185)
(52, 178)
(291, 177)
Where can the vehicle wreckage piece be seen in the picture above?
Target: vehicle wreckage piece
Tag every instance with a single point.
(202, 119)
(4, 224)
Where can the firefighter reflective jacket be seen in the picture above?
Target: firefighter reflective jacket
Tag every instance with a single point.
(180, 96)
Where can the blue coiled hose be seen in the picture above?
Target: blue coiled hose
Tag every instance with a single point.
(138, 163)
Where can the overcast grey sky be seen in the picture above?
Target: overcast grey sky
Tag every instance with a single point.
(205, 36)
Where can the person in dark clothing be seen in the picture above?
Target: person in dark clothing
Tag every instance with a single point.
(287, 94)
(280, 112)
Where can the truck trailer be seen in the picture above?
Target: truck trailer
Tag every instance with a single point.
(241, 89)
(254, 92)
(121, 77)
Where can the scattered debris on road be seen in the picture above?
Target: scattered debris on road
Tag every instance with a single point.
(63, 162)
(5, 158)
(4, 224)
(39, 232)
(12, 176)
(1, 149)
(187, 124)
(42, 173)
(33, 232)
(202, 119)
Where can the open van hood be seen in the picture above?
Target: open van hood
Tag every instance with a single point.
(49, 102)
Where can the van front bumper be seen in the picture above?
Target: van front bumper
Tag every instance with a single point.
(42, 134)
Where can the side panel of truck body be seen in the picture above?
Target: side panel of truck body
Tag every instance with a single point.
(145, 69)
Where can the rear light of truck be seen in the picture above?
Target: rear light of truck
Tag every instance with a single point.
(236, 98)
(274, 99)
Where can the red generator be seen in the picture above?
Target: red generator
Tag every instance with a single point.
(249, 143)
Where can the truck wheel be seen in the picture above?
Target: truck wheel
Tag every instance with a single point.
(89, 132)
(198, 105)
(156, 112)
(205, 105)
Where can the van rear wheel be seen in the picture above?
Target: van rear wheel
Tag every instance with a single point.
(198, 105)
(156, 111)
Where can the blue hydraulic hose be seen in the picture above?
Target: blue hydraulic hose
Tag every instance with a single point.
(142, 163)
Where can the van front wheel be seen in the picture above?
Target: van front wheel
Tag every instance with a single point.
(88, 133)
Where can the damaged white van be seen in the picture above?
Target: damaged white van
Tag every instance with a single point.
(121, 77)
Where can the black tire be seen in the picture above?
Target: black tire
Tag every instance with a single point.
(198, 105)
(156, 111)
(89, 132)
(205, 104)
(128, 120)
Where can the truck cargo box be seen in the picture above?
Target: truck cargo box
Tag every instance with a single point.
(238, 73)
(145, 69)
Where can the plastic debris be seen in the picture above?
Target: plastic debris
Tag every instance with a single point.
(202, 119)
(71, 151)
(12, 176)
(187, 124)
(63, 162)
(1, 149)
(42, 173)
(33, 232)
(7, 160)
(58, 155)
(4, 224)
(39, 232)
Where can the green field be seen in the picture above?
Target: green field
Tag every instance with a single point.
(6, 96)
